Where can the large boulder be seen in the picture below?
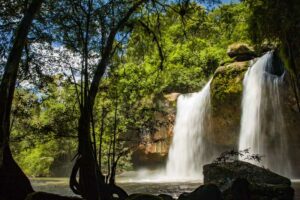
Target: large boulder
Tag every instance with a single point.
(226, 93)
(240, 190)
(209, 191)
(240, 52)
(232, 178)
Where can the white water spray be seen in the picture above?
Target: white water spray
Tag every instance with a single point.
(262, 124)
(188, 151)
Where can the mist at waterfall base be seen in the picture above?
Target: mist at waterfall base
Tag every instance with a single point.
(262, 128)
(262, 123)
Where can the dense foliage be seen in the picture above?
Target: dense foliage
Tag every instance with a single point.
(185, 55)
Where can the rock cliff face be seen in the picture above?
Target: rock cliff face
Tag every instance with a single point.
(224, 124)
(226, 95)
(153, 150)
(226, 92)
(292, 122)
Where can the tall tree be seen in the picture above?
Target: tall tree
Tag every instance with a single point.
(91, 183)
(14, 183)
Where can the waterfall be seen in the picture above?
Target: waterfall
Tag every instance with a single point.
(262, 124)
(188, 150)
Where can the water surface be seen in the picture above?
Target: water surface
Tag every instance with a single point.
(61, 186)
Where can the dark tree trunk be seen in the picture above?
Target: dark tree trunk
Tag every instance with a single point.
(91, 183)
(90, 179)
(14, 185)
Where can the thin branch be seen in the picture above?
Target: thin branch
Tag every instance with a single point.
(159, 47)
(76, 89)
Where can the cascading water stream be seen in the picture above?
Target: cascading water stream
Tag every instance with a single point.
(188, 151)
(262, 124)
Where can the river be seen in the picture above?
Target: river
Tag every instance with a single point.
(60, 186)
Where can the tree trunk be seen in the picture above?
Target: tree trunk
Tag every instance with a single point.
(91, 182)
(14, 185)
(90, 179)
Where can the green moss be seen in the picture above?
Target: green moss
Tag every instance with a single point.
(239, 48)
(227, 61)
(227, 83)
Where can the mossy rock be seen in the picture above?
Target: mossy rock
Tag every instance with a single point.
(226, 91)
(240, 50)
(227, 61)
(143, 197)
(227, 83)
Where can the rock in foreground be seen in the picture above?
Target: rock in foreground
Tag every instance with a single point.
(205, 192)
(240, 178)
(139, 196)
